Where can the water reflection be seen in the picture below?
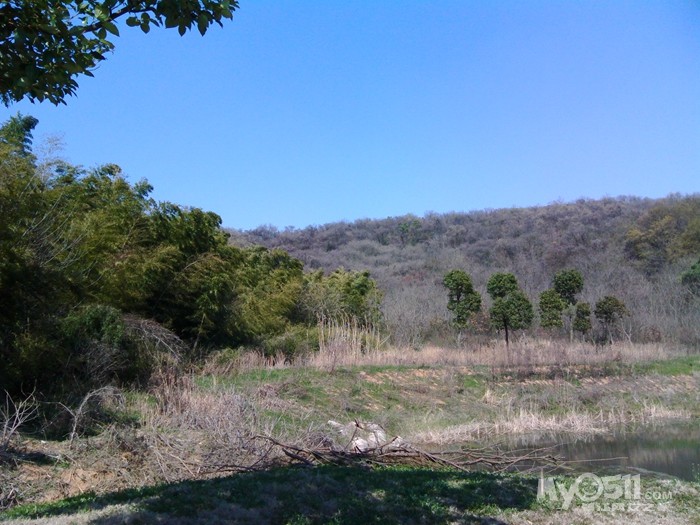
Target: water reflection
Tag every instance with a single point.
(669, 448)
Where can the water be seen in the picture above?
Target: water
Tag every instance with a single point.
(669, 448)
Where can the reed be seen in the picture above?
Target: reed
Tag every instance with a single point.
(349, 345)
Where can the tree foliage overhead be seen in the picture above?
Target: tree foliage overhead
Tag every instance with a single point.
(46, 44)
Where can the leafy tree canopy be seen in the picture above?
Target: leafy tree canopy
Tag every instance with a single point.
(568, 283)
(513, 311)
(359, 292)
(511, 308)
(501, 284)
(609, 309)
(582, 318)
(17, 133)
(463, 300)
(90, 265)
(46, 44)
(551, 308)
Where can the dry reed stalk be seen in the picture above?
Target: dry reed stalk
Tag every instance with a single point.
(345, 341)
(228, 363)
(349, 343)
(342, 349)
(525, 421)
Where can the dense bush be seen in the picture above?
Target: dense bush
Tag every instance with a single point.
(100, 283)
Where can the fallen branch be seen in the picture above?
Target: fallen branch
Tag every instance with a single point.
(14, 414)
(398, 452)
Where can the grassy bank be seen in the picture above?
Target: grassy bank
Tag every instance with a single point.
(191, 430)
(449, 402)
(347, 495)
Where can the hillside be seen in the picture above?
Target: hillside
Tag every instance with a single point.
(630, 247)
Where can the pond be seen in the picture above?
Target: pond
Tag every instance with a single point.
(672, 447)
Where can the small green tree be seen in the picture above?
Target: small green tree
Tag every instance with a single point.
(582, 318)
(341, 295)
(463, 301)
(559, 301)
(511, 309)
(551, 308)
(568, 284)
(501, 284)
(609, 311)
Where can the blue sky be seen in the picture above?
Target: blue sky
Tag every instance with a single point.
(306, 112)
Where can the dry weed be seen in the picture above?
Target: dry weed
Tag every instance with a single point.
(526, 421)
(526, 353)
(14, 414)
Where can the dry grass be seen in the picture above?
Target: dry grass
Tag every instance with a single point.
(184, 432)
(526, 352)
(524, 421)
(350, 344)
(191, 429)
(197, 431)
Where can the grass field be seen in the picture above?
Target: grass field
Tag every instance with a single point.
(169, 455)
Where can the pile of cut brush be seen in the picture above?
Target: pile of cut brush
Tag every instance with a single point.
(366, 444)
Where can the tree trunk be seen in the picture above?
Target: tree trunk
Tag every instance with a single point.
(505, 325)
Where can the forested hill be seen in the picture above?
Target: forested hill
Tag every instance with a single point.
(634, 248)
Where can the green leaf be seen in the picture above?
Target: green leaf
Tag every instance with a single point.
(111, 27)
(202, 23)
(101, 13)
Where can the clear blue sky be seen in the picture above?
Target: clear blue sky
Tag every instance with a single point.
(306, 112)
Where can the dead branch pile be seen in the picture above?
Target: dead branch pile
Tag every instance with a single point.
(379, 451)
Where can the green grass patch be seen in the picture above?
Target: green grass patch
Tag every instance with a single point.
(670, 367)
(474, 382)
(341, 495)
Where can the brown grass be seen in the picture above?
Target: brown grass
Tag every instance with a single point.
(525, 421)
(344, 346)
(185, 432)
(190, 431)
(526, 352)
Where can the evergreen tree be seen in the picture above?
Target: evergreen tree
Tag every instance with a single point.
(511, 309)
